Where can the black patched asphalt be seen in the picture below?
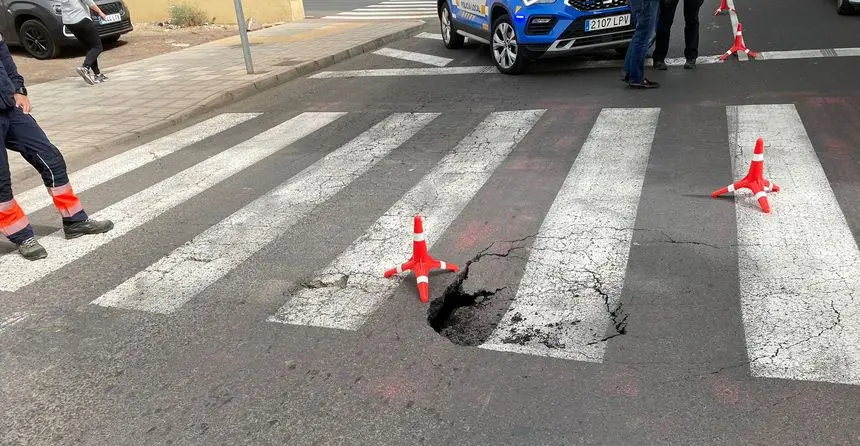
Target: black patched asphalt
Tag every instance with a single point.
(216, 372)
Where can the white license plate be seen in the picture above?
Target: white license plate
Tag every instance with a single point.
(615, 21)
(111, 18)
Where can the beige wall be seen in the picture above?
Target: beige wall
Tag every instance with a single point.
(224, 11)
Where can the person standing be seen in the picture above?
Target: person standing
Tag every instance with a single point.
(20, 133)
(691, 32)
(77, 17)
(644, 15)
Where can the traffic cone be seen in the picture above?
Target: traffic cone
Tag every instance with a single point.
(421, 262)
(739, 45)
(724, 6)
(754, 180)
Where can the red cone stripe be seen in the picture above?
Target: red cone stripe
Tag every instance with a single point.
(421, 262)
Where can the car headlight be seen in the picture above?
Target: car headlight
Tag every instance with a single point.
(534, 2)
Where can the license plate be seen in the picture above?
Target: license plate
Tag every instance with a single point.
(111, 18)
(615, 21)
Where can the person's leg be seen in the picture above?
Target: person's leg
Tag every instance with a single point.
(80, 32)
(691, 29)
(25, 136)
(14, 223)
(665, 18)
(94, 43)
(630, 67)
(645, 22)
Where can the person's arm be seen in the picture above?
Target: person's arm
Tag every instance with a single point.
(96, 8)
(21, 100)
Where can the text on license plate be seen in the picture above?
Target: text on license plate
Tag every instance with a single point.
(110, 18)
(607, 22)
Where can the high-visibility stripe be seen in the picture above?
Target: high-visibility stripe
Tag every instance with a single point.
(12, 218)
(441, 195)
(758, 157)
(150, 203)
(575, 273)
(104, 171)
(798, 265)
(422, 279)
(65, 200)
(169, 283)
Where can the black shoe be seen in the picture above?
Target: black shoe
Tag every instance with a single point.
(30, 249)
(660, 65)
(644, 84)
(87, 227)
(690, 65)
(624, 77)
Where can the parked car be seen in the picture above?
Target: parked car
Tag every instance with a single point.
(519, 31)
(37, 25)
(847, 6)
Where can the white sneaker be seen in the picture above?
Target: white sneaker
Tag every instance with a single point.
(86, 74)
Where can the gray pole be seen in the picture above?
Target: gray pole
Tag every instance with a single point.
(243, 34)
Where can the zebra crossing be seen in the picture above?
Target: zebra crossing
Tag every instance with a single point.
(390, 10)
(798, 282)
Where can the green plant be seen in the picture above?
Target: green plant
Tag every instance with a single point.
(185, 14)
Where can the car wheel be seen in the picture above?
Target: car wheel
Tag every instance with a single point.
(843, 7)
(450, 37)
(37, 40)
(507, 55)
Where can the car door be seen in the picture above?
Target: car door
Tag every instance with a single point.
(7, 25)
(474, 14)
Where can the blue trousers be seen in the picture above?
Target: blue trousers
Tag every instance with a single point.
(645, 18)
(22, 134)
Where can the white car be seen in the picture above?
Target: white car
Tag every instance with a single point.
(846, 6)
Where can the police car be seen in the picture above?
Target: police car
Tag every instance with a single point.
(519, 31)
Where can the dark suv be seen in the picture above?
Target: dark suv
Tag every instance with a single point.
(38, 27)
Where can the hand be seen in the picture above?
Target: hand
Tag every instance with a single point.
(23, 102)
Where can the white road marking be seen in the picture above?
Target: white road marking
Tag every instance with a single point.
(575, 272)
(414, 57)
(843, 52)
(169, 283)
(405, 72)
(733, 16)
(399, 17)
(146, 205)
(795, 54)
(429, 36)
(383, 13)
(400, 7)
(104, 171)
(352, 286)
(13, 319)
(798, 265)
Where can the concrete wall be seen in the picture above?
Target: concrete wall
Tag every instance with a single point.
(224, 11)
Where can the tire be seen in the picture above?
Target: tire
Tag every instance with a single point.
(110, 40)
(450, 38)
(843, 7)
(37, 41)
(504, 49)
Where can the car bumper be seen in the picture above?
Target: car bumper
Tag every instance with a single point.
(108, 30)
(558, 29)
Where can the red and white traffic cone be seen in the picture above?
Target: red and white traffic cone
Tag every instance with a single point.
(724, 6)
(739, 45)
(755, 180)
(421, 262)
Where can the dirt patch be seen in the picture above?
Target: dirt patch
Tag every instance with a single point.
(145, 41)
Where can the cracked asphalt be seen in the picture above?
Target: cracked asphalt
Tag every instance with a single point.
(675, 368)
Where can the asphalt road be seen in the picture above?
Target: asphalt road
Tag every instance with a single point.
(694, 345)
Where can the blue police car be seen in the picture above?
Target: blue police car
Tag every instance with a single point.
(519, 31)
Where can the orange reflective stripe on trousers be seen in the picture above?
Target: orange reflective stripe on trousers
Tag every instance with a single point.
(12, 218)
(65, 200)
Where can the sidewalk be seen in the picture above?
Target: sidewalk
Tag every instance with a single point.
(154, 93)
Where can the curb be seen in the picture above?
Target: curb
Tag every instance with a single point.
(270, 80)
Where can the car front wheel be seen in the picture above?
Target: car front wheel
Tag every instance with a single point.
(37, 40)
(843, 7)
(450, 37)
(507, 54)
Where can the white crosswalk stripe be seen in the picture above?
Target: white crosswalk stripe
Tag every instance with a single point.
(353, 285)
(799, 265)
(796, 266)
(140, 208)
(574, 276)
(390, 10)
(173, 280)
(114, 167)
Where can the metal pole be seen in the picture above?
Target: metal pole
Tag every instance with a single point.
(243, 34)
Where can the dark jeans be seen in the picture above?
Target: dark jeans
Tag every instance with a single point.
(85, 31)
(645, 17)
(22, 134)
(691, 28)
